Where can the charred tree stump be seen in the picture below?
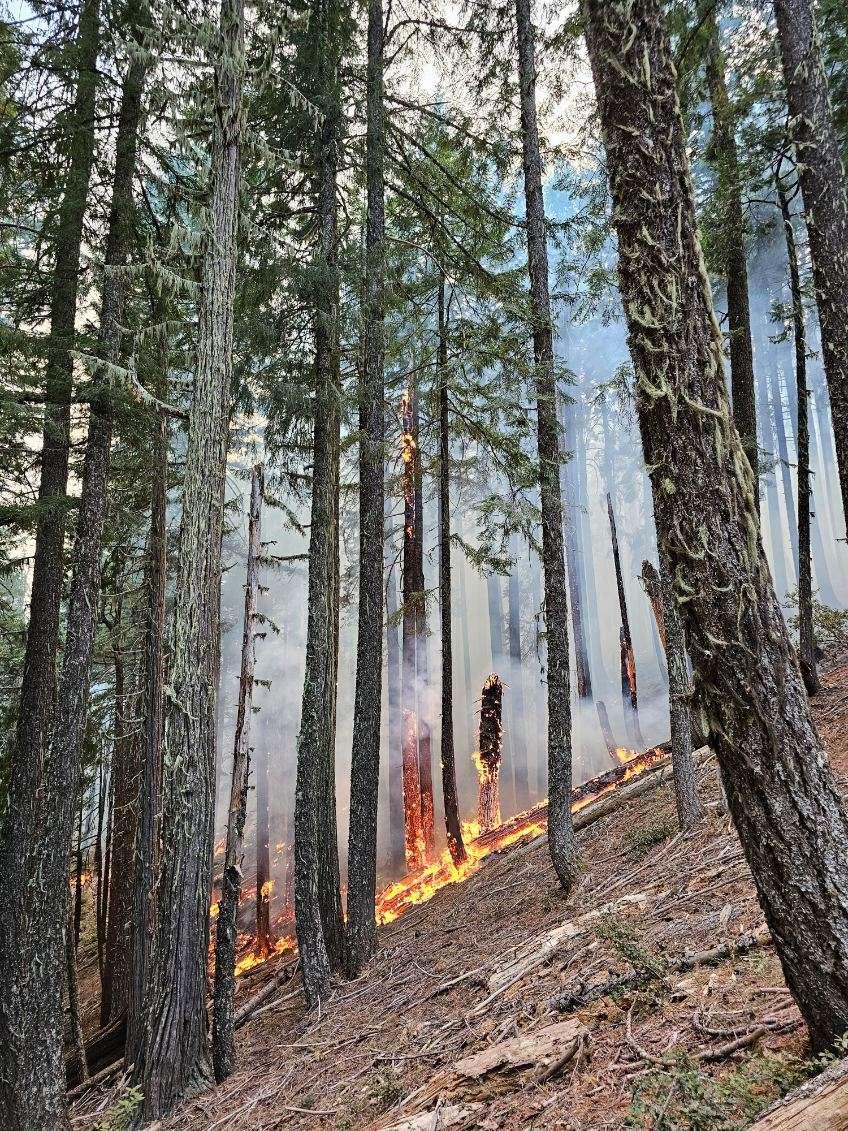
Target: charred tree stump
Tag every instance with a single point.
(629, 693)
(223, 1032)
(491, 748)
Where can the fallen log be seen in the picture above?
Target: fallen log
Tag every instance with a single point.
(283, 975)
(578, 995)
(817, 1104)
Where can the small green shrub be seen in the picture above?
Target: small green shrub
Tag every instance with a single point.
(122, 1116)
(626, 942)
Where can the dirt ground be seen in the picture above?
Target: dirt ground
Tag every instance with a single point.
(661, 1053)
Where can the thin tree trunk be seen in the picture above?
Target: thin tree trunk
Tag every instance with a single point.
(422, 663)
(733, 246)
(629, 692)
(152, 713)
(518, 732)
(781, 792)
(99, 896)
(806, 635)
(560, 828)
(175, 1053)
(77, 1062)
(783, 458)
(226, 934)
(776, 536)
(823, 187)
(264, 942)
(653, 587)
(367, 712)
(41, 929)
(453, 823)
(412, 596)
(490, 751)
(77, 918)
(573, 554)
(317, 896)
(395, 728)
(38, 687)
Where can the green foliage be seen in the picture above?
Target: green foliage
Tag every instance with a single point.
(684, 1096)
(646, 834)
(625, 940)
(830, 626)
(122, 1116)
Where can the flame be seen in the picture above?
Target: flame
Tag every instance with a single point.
(266, 889)
(250, 959)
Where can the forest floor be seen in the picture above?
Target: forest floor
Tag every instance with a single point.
(457, 1022)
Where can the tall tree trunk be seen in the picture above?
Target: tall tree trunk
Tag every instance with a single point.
(39, 929)
(175, 1053)
(367, 712)
(226, 933)
(453, 823)
(806, 635)
(317, 896)
(776, 535)
(412, 597)
(100, 894)
(629, 691)
(573, 502)
(518, 732)
(823, 187)
(733, 246)
(780, 788)
(152, 714)
(77, 916)
(422, 662)
(560, 828)
(775, 384)
(38, 687)
(395, 728)
(77, 1062)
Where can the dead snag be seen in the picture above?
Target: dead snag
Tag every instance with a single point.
(629, 694)
(606, 729)
(489, 758)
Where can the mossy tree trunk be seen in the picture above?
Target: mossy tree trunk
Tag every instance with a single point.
(781, 792)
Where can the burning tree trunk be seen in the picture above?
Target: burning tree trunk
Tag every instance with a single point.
(413, 829)
(560, 828)
(806, 636)
(489, 755)
(732, 236)
(395, 721)
(175, 1049)
(629, 695)
(449, 793)
(223, 1033)
(822, 180)
(781, 791)
(264, 943)
(365, 757)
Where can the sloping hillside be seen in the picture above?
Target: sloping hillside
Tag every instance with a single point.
(650, 998)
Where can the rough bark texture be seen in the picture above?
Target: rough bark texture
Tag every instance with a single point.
(653, 587)
(629, 691)
(517, 729)
(560, 827)
(679, 694)
(223, 1030)
(453, 823)
(35, 856)
(152, 714)
(732, 239)
(264, 941)
(422, 662)
(367, 711)
(779, 785)
(823, 187)
(806, 636)
(38, 688)
(317, 897)
(489, 754)
(175, 1055)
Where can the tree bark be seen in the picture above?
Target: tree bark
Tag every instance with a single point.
(152, 713)
(780, 788)
(367, 712)
(264, 941)
(823, 187)
(175, 1053)
(806, 635)
(679, 694)
(226, 933)
(395, 728)
(733, 246)
(490, 750)
(560, 828)
(35, 856)
(518, 732)
(38, 687)
(629, 692)
(422, 652)
(77, 1063)
(453, 823)
(573, 555)
(317, 895)
(412, 597)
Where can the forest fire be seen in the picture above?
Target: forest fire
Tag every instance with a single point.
(419, 887)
